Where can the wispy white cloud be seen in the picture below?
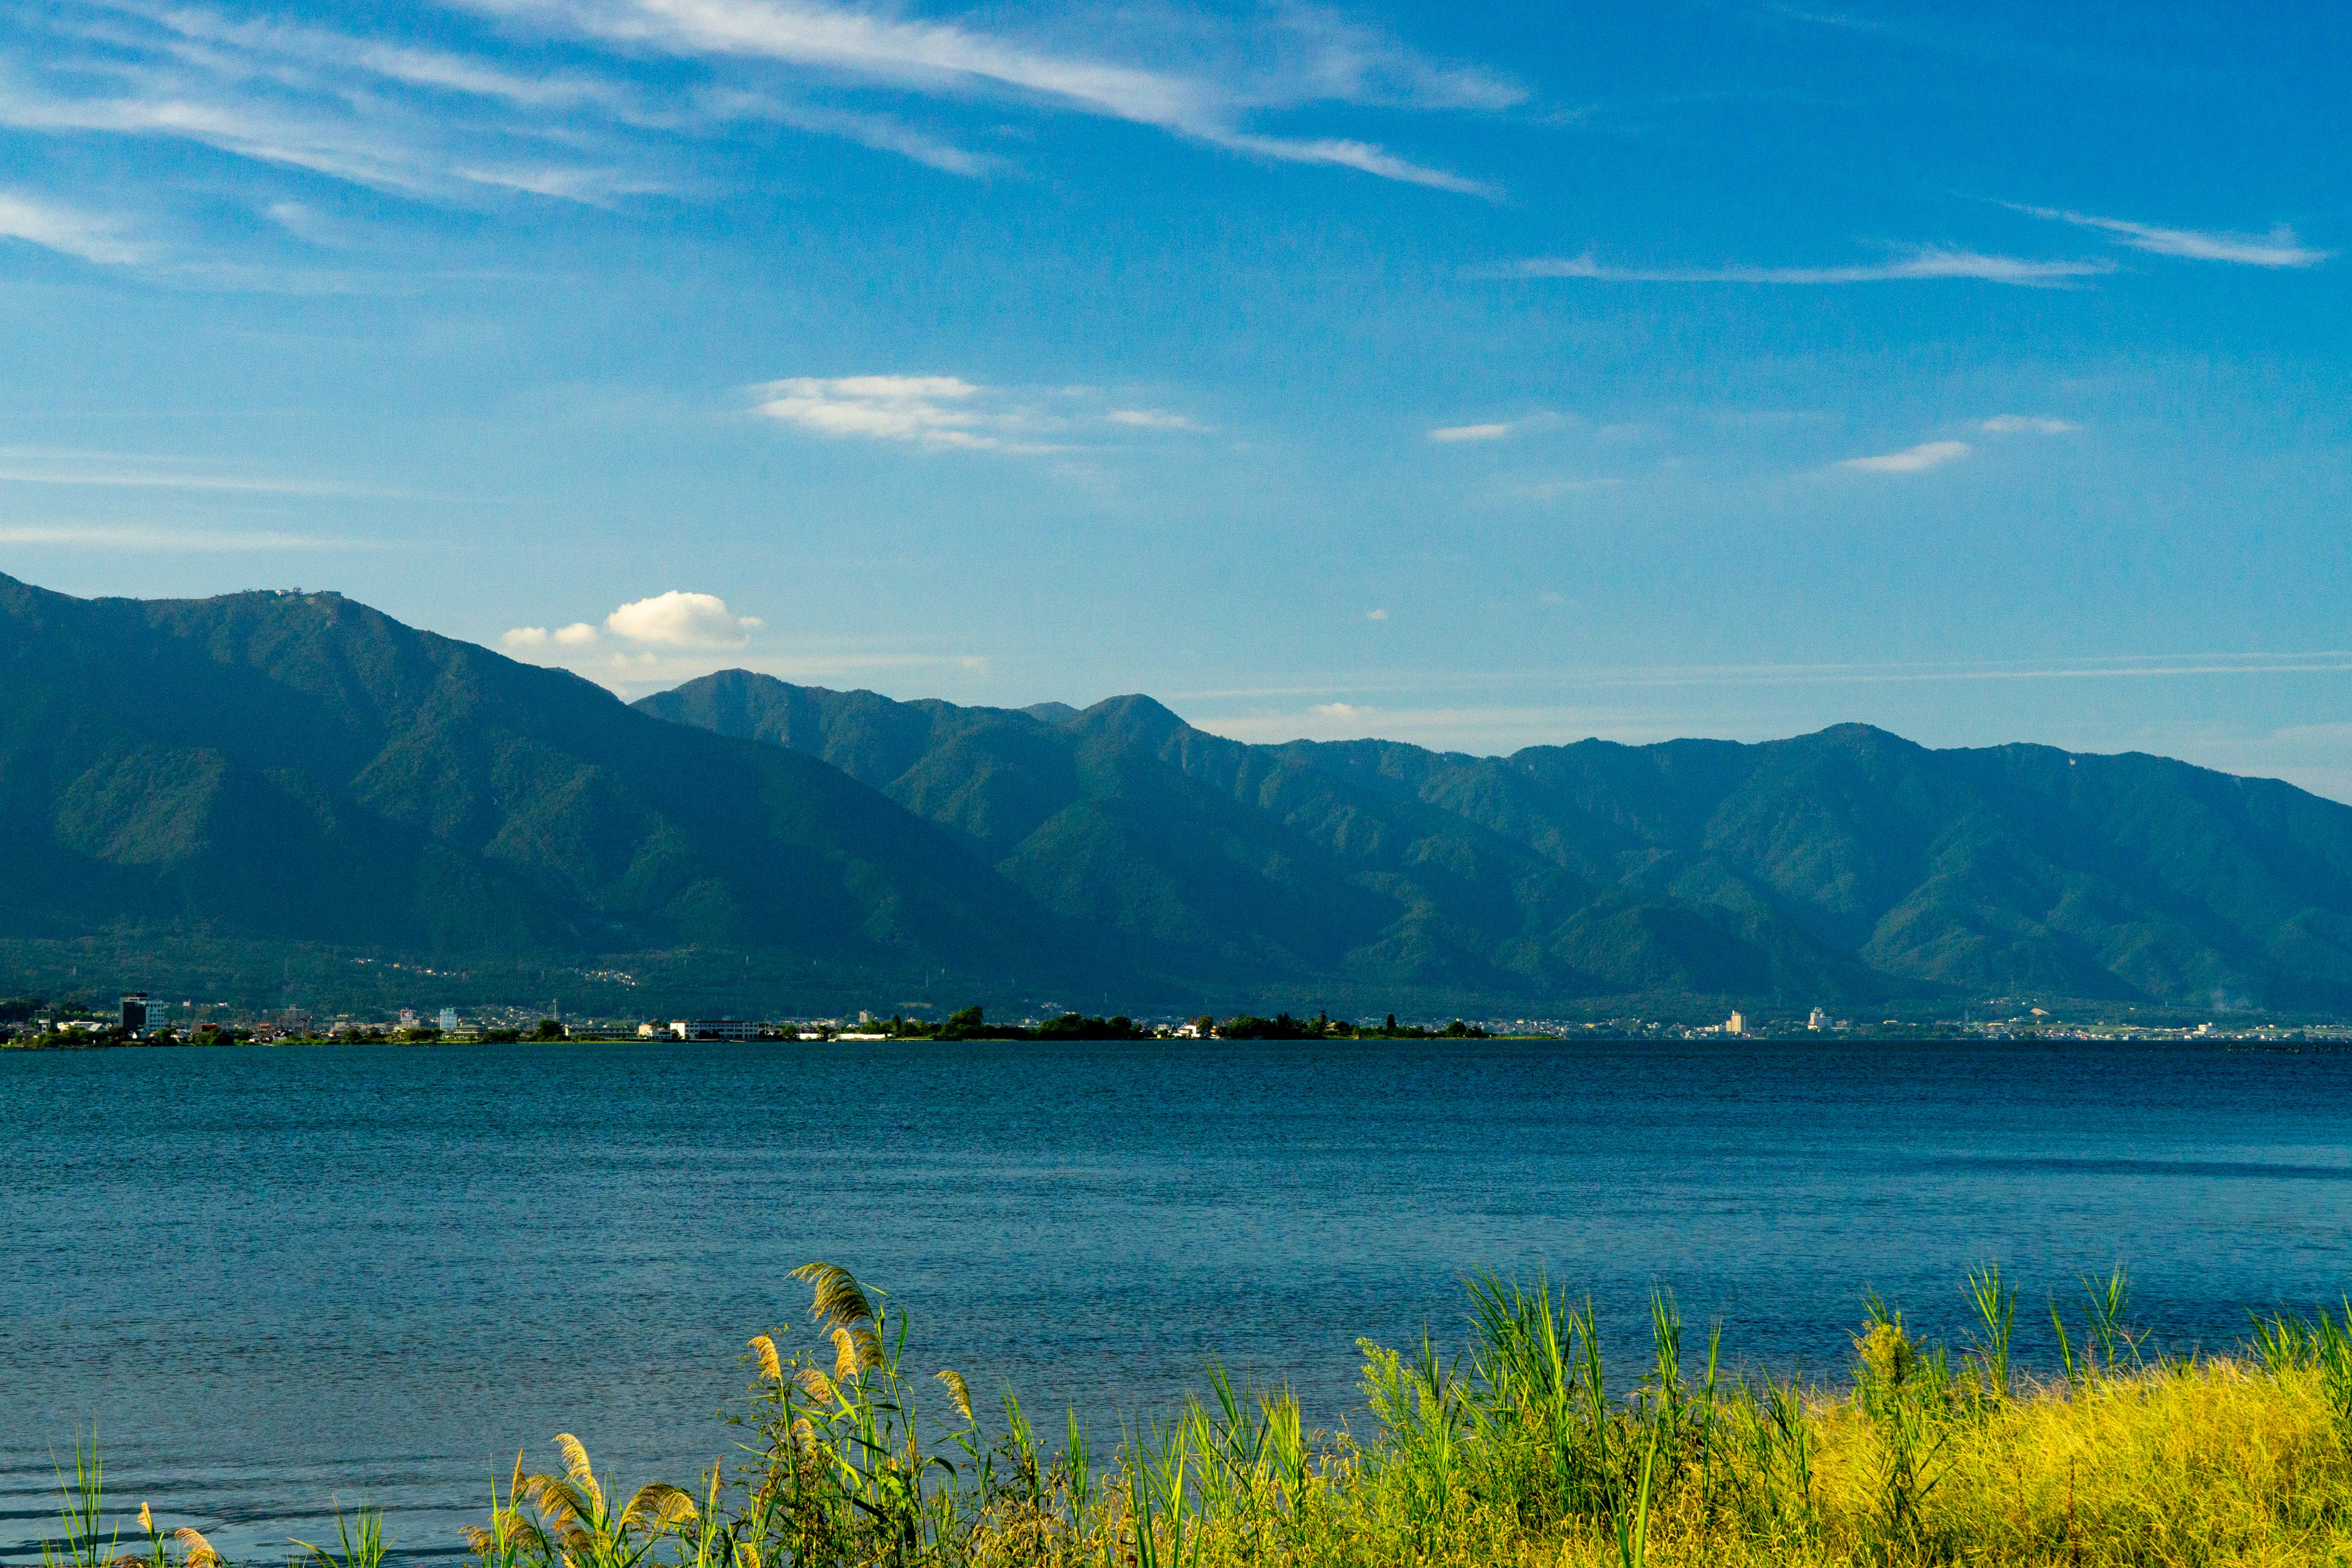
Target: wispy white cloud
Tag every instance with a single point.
(106, 471)
(947, 413)
(2116, 667)
(315, 108)
(1912, 459)
(1923, 264)
(115, 536)
(1500, 431)
(1317, 60)
(882, 133)
(1380, 614)
(1363, 156)
(1154, 419)
(465, 126)
(935, 411)
(2025, 425)
(2279, 248)
(65, 231)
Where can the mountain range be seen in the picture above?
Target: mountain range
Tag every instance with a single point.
(272, 792)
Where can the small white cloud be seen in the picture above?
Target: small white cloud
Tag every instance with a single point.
(1502, 431)
(1339, 710)
(937, 412)
(1153, 419)
(1911, 460)
(671, 620)
(675, 620)
(1926, 263)
(927, 410)
(67, 233)
(972, 664)
(2280, 248)
(1379, 614)
(2025, 425)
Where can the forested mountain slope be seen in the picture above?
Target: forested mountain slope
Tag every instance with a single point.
(1846, 864)
(300, 767)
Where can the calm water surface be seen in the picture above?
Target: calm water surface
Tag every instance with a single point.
(280, 1279)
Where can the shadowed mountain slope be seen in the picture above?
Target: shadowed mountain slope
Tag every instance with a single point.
(301, 767)
(1845, 865)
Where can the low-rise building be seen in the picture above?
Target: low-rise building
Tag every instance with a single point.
(714, 1029)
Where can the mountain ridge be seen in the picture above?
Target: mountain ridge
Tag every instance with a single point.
(1850, 862)
(226, 788)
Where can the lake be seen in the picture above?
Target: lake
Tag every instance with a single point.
(275, 1281)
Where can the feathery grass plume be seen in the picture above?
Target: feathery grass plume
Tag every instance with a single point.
(764, 1349)
(818, 1386)
(839, 1299)
(156, 1556)
(195, 1551)
(576, 1465)
(957, 1392)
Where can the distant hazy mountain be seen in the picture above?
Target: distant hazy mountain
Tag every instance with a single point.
(288, 794)
(1846, 865)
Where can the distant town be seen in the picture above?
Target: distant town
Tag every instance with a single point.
(137, 1018)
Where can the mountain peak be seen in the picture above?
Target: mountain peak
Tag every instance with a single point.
(1135, 717)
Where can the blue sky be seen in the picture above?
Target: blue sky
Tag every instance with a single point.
(1478, 376)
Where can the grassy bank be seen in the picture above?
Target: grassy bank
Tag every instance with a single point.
(1518, 1452)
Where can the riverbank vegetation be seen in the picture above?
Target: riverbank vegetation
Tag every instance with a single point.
(1518, 1452)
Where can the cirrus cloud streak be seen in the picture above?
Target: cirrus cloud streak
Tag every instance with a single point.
(1923, 264)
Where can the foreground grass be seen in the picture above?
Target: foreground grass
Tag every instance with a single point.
(1517, 1454)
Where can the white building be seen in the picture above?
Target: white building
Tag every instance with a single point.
(1737, 1024)
(713, 1030)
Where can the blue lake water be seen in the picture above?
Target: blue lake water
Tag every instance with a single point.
(280, 1279)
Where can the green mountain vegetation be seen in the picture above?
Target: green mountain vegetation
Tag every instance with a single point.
(1849, 866)
(269, 795)
(266, 781)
